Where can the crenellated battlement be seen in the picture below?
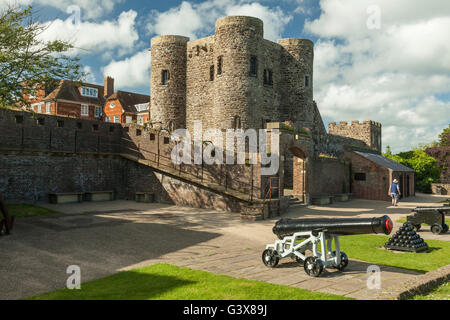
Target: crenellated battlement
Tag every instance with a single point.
(368, 131)
(234, 77)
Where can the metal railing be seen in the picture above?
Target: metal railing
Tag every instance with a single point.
(83, 142)
(268, 196)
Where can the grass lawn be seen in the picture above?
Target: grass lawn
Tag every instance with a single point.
(27, 210)
(447, 221)
(441, 293)
(167, 282)
(365, 248)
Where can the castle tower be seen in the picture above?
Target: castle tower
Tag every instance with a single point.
(168, 82)
(297, 61)
(238, 72)
(368, 131)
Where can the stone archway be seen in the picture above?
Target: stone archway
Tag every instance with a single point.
(301, 175)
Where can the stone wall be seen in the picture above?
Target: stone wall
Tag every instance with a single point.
(168, 102)
(368, 131)
(235, 93)
(23, 130)
(330, 177)
(376, 184)
(444, 188)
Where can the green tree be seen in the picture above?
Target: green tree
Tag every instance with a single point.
(27, 62)
(444, 137)
(427, 170)
(388, 151)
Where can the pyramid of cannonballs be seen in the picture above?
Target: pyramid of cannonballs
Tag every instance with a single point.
(407, 239)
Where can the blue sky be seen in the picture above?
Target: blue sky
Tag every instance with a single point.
(381, 60)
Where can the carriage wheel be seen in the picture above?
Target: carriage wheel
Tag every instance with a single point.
(270, 258)
(418, 226)
(344, 261)
(313, 267)
(437, 229)
(445, 228)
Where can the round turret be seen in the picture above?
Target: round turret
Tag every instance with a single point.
(168, 82)
(297, 65)
(237, 55)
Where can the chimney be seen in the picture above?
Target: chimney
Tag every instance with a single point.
(109, 87)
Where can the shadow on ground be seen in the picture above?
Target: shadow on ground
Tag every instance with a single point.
(34, 259)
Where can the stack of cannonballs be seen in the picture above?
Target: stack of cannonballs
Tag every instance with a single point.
(407, 239)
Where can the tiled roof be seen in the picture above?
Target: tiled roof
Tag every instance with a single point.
(385, 162)
(69, 90)
(128, 100)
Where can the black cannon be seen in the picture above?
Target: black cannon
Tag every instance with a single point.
(7, 222)
(297, 236)
(433, 216)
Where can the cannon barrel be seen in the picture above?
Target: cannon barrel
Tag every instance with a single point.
(354, 226)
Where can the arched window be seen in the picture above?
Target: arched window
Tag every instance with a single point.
(165, 76)
(253, 66)
(237, 122)
(219, 65)
(171, 126)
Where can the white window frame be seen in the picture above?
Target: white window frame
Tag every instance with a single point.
(140, 120)
(39, 108)
(48, 107)
(89, 92)
(116, 119)
(128, 119)
(107, 119)
(98, 112)
(142, 107)
(85, 107)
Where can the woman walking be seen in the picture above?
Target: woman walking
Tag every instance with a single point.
(394, 192)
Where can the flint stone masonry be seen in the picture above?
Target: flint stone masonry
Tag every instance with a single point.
(237, 98)
(38, 158)
(217, 101)
(368, 131)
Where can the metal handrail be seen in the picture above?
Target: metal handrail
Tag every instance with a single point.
(268, 196)
(47, 141)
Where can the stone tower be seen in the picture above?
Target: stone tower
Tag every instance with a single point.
(297, 69)
(367, 131)
(168, 82)
(237, 41)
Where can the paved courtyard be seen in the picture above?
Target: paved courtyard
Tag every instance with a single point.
(105, 238)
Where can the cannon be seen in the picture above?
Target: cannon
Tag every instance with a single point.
(433, 216)
(7, 223)
(297, 236)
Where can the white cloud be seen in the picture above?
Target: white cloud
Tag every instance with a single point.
(90, 77)
(197, 20)
(131, 72)
(90, 9)
(392, 75)
(89, 37)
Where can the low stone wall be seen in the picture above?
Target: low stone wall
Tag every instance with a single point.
(419, 285)
(445, 187)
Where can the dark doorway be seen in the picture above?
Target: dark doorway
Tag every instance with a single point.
(408, 186)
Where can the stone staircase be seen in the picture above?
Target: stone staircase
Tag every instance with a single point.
(295, 202)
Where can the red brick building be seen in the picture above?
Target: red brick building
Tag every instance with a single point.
(127, 107)
(91, 102)
(372, 174)
(71, 99)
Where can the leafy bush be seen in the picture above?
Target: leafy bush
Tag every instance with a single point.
(426, 167)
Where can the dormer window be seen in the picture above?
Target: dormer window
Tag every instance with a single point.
(89, 92)
(142, 107)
